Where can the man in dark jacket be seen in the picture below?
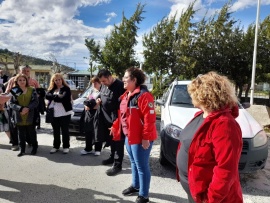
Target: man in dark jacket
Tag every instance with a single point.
(110, 92)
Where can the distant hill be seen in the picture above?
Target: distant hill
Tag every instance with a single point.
(7, 56)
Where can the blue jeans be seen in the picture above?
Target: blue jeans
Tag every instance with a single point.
(139, 158)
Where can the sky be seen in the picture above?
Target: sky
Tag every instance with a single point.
(42, 28)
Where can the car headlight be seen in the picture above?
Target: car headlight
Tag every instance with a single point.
(173, 131)
(260, 139)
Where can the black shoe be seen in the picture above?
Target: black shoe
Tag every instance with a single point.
(141, 199)
(130, 191)
(21, 154)
(38, 127)
(114, 170)
(108, 161)
(34, 151)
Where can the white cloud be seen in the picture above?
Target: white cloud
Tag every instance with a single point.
(41, 27)
(110, 16)
(201, 7)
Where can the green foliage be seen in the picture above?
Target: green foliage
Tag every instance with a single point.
(215, 43)
(118, 53)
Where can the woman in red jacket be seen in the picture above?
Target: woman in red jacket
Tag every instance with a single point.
(211, 143)
(137, 122)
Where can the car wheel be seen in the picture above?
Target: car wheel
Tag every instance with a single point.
(162, 160)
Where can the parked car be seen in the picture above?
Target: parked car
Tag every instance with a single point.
(78, 107)
(71, 84)
(177, 110)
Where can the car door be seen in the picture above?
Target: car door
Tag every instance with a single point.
(165, 114)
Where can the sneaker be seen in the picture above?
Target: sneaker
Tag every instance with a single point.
(83, 152)
(65, 150)
(53, 150)
(15, 148)
(97, 153)
(141, 199)
(108, 161)
(113, 170)
(130, 191)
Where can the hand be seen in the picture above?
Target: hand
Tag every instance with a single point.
(98, 101)
(145, 144)
(25, 110)
(86, 108)
(111, 131)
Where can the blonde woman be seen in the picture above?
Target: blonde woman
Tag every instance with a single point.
(59, 97)
(211, 143)
(23, 106)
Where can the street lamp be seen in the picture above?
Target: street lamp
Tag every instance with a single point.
(254, 54)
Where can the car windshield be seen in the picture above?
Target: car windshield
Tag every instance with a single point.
(86, 92)
(180, 96)
(70, 82)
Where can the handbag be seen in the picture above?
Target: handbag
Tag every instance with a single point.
(49, 115)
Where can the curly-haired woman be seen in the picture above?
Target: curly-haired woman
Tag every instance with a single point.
(211, 143)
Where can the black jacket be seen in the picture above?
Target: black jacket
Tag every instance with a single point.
(107, 111)
(65, 99)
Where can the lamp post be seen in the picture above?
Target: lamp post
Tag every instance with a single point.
(254, 54)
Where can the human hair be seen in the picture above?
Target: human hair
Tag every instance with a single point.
(52, 85)
(212, 91)
(138, 74)
(17, 77)
(24, 66)
(95, 79)
(104, 73)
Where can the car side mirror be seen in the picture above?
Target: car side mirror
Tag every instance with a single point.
(246, 105)
(160, 102)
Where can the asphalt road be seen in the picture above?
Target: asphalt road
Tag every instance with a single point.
(74, 178)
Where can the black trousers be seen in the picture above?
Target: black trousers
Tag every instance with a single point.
(13, 129)
(117, 150)
(60, 124)
(89, 139)
(27, 131)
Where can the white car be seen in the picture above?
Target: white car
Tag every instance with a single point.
(71, 84)
(177, 110)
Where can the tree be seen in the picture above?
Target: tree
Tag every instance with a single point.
(57, 67)
(184, 44)
(118, 53)
(17, 61)
(4, 61)
(158, 53)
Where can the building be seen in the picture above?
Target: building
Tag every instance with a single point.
(42, 73)
(80, 77)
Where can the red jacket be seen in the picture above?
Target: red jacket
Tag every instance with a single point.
(213, 159)
(141, 117)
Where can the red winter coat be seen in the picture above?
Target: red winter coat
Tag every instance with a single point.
(213, 159)
(141, 117)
